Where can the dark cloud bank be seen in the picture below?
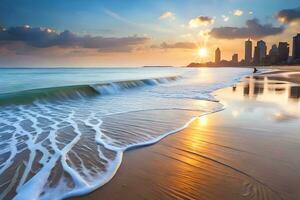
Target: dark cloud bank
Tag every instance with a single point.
(289, 15)
(253, 29)
(44, 38)
(205, 19)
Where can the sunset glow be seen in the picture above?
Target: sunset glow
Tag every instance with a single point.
(175, 33)
(202, 52)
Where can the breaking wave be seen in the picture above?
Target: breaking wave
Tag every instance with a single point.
(80, 91)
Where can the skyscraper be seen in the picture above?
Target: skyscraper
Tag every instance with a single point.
(256, 59)
(296, 47)
(273, 51)
(283, 52)
(262, 50)
(217, 55)
(273, 54)
(248, 51)
(235, 58)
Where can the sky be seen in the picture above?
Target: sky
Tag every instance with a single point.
(123, 33)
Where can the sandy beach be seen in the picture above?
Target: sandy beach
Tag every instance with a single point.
(250, 150)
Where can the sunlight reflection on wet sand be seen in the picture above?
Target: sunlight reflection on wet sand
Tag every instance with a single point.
(250, 150)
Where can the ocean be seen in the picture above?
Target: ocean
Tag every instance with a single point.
(63, 131)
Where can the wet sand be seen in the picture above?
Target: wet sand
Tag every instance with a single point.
(250, 150)
(285, 68)
(287, 76)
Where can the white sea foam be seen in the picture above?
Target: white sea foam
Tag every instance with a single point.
(117, 87)
(70, 147)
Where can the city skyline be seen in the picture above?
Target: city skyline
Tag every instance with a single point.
(262, 55)
(68, 33)
(282, 51)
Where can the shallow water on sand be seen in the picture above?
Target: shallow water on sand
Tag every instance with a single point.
(264, 114)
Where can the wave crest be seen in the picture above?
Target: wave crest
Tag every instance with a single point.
(79, 91)
(116, 87)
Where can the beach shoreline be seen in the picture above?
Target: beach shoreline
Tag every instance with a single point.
(209, 160)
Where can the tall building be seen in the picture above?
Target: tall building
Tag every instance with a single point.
(248, 51)
(235, 58)
(274, 50)
(217, 55)
(256, 59)
(283, 52)
(262, 50)
(273, 54)
(296, 47)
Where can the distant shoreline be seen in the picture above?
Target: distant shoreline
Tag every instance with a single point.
(275, 67)
(155, 66)
(215, 65)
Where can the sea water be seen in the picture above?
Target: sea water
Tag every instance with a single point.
(63, 131)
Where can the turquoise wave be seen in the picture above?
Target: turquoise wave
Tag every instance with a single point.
(79, 91)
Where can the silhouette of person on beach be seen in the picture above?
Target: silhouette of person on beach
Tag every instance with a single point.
(254, 70)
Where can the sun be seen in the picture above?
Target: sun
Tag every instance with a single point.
(202, 52)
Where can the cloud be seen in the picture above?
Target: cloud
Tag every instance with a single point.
(200, 21)
(253, 30)
(289, 15)
(238, 12)
(167, 15)
(225, 18)
(46, 37)
(178, 45)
